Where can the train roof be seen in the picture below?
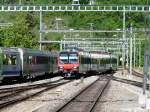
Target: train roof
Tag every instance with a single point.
(27, 50)
(97, 54)
(68, 52)
(35, 50)
(8, 50)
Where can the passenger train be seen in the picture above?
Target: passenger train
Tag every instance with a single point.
(75, 63)
(23, 63)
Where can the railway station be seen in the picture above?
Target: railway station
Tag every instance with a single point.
(74, 56)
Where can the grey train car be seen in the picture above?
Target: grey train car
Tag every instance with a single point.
(16, 63)
(84, 62)
(97, 62)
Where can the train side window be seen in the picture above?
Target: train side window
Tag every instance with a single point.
(30, 60)
(9, 59)
(42, 59)
(5, 59)
(1, 61)
(13, 59)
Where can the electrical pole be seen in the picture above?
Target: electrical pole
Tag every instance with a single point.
(20, 2)
(131, 32)
(139, 54)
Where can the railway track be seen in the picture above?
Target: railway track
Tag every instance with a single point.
(86, 100)
(7, 92)
(19, 94)
(131, 82)
(137, 74)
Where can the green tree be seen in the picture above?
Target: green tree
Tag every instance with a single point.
(18, 35)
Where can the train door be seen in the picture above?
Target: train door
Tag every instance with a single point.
(51, 63)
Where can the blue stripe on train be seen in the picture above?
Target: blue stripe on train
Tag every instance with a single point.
(11, 73)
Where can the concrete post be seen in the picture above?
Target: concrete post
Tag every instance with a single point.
(40, 30)
(131, 50)
(61, 45)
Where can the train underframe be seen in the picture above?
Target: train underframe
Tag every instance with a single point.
(70, 73)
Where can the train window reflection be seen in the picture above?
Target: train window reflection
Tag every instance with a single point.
(73, 60)
(73, 54)
(63, 61)
(9, 59)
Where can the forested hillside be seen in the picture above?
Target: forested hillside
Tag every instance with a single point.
(129, 2)
(25, 29)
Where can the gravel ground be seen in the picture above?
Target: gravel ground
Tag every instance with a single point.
(140, 70)
(120, 97)
(49, 101)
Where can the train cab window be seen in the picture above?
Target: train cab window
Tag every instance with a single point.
(63, 60)
(63, 57)
(73, 58)
(9, 59)
(13, 59)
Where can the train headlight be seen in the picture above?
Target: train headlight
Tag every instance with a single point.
(61, 67)
(75, 67)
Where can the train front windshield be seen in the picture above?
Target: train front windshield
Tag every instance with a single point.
(73, 58)
(63, 58)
